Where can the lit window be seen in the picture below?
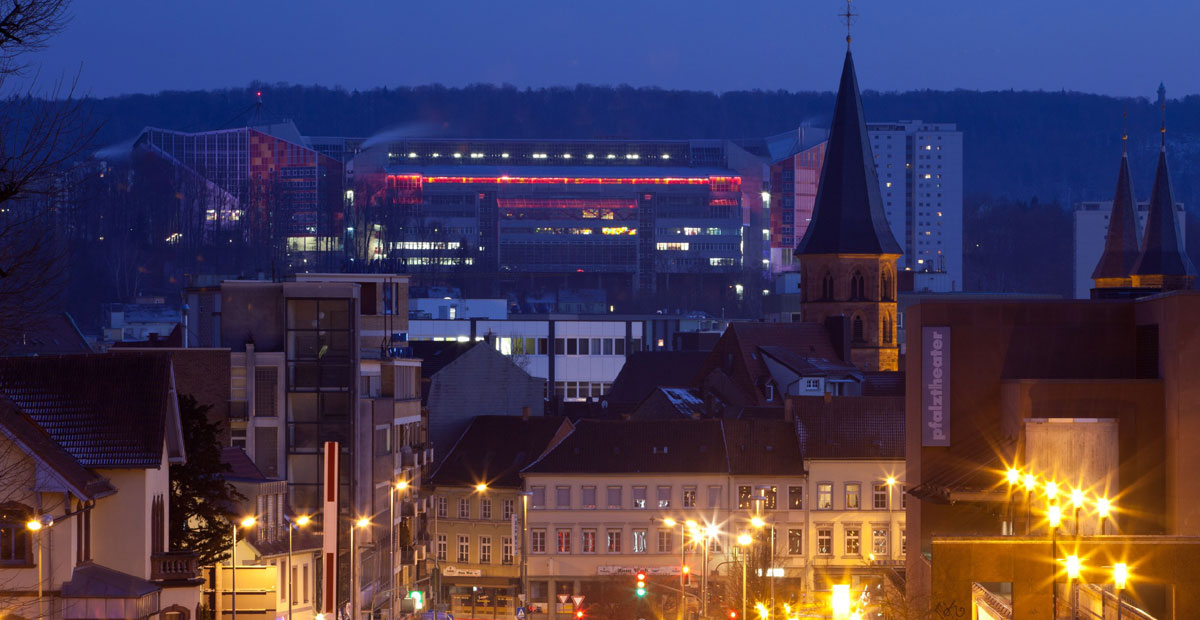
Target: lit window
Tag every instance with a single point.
(537, 541)
(639, 541)
(853, 535)
(795, 542)
(879, 499)
(614, 541)
(824, 540)
(564, 541)
(853, 494)
(458, 156)
(666, 156)
(825, 496)
(879, 542)
(673, 246)
(464, 548)
(796, 498)
(589, 541)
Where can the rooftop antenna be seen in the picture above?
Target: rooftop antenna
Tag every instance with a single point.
(848, 19)
(258, 105)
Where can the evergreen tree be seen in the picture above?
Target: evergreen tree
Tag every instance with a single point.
(202, 502)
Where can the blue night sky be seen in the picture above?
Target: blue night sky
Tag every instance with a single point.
(1114, 47)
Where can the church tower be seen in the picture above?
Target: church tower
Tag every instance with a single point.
(1162, 265)
(848, 254)
(1121, 244)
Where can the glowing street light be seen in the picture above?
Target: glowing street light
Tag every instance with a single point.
(481, 487)
(1073, 566)
(839, 600)
(757, 522)
(744, 539)
(402, 485)
(1030, 482)
(246, 522)
(1052, 490)
(891, 481)
(669, 522)
(1120, 575)
(1054, 515)
(1076, 498)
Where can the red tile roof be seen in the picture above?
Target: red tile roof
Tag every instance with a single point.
(35, 442)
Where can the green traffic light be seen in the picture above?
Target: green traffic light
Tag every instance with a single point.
(641, 591)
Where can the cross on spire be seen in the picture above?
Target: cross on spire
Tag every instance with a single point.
(848, 19)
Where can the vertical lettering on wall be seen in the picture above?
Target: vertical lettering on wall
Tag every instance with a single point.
(935, 386)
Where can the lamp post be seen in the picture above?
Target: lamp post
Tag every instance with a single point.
(247, 522)
(1054, 517)
(1014, 477)
(300, 521)
(400, 486)
(759, 523)
(524, 549)
(36, 526)
(362, 523)
(683, 567)
(1120, 576)
(1103, 506)
(1030, 482)
(744, 541)
(1073, 566)
(1076, 503)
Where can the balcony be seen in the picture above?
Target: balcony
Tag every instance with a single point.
(175, 567)
(408, 458)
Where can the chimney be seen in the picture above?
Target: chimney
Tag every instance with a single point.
(525, 413)
(788, 414)
(828, 397)
(838, 328)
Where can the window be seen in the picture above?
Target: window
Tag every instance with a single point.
(903, 499)
(852, 541)
(796, 542)
(664, 497)
(903, 541)
(539, 497)
(614, 541)
(879, 496)
(639, 497)
(292, 591)
(564, 540)
(485, 549)
(796, 498)
(562, 497)
(879, 542)
(464, 548)
(824, 541)
(853, 493)
(639, 541)
(537, 541)
(770, 493)
(825, 496)
(714, 497)
(485, 508)
(689, 497)
(304, 584)
(589, 541)
(614, 497)
(464, 508)
(744, 496)
(858, 330)
(812, 385)
(589, 497)
(506, 550)
(507, 507)
(664, 541)
(441, 508)
(441, 547)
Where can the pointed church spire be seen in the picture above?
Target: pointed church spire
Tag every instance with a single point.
(1163, 263)
(1121, 244)
(848, 216)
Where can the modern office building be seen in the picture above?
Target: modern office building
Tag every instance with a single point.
(634, 216)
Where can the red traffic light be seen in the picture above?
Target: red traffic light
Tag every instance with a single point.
(732, 615)
(579, 614)
(641, 576)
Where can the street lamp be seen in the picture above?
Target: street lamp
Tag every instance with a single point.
(525, 495)
(1076, 503)
(1103, 506)
(1073, 566)
(36, 526)
(1120, 576)
(1054, 517)
(1030, 482)
(246, 522)
(839, 600)
(744, 540)
(683, 567)
(360, 524)
(481, 487)
(299, 522)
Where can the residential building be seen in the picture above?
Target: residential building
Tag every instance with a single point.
(854, 499)
(86, 443)
(456, 398)
(477, 505)
(848, 253)
(601, 498)
(48, 334)
(646, 371)
(317, 358)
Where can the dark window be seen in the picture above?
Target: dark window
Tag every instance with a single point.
(15, 536)
(827, 287)
(857, 286)
(857, 330)
(572, 346)
(366, 297)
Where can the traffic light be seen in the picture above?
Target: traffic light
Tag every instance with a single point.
(732, 615)
(686, 573)
(579, 613)
(641, 583)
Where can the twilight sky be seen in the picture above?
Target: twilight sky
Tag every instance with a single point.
(1114, 47)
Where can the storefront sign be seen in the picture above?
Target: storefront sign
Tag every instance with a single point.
(935, 386)
(453, 571)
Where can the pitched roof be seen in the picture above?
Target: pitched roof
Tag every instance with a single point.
(669, 446)
(749, 373)
(668, 403)
(53, 334)
(848, 216)
(104, 410)
(96, 581)
(240, 465)
(883, 383)
(1121, 243)
(810, 366)
(762, 447)
(35, 442)
(646, 370)
(495, 448)
(1162, 246)
(850, 427)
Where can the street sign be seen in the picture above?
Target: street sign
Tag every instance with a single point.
(520, 613)
(562, 598)
(578, 599)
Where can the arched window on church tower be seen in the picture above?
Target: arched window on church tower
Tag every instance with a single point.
(827, 286)
(885, 286)
(857, 329)
(857, 286)
(887, 329)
